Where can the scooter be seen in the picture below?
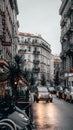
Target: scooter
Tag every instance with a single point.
(13, 113)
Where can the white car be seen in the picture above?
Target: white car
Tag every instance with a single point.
(52, 90)
(69, 96)
(43, 94)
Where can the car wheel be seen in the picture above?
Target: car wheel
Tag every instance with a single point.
(47, 100)
(65, 97)
(51, 100)
(37, 101)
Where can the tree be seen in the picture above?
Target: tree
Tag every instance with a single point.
(15, 69)
(15, 73)
(43, 80)
(27, 74)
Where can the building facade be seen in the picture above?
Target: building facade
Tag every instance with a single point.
(55, 65)
(66, 12)
(8, 29)
(8, 40)
(36, 54)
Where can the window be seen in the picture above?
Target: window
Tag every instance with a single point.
(35, 49)
(29, 57)
(29, 48)
(35, 40)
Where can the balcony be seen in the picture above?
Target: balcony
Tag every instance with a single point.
(66, 7)
(21, 51)
(63, 54)
(62, 6)
(63, 20)
(69, 48)
(36, 69)
(36, 61)
(4, 43)
(66, 30)
(69, 7)
(36, 52)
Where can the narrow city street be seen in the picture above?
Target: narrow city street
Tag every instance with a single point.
(53, 116)
(36, 61)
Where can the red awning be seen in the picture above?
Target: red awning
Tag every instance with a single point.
(71, 70)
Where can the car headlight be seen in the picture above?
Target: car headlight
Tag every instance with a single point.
(39, 95)
(50, 95)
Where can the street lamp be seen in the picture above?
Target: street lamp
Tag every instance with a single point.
(15, 83)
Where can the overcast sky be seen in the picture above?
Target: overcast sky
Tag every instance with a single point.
(41, 17)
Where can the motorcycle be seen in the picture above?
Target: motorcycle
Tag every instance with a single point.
(8, 111)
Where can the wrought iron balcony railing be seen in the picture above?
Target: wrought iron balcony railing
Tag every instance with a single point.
(36, 61)
(36, 52)
(36, 70)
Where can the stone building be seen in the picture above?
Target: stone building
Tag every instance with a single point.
(8, 29)
(36, 54)
(66, 12)
(8, 40)
(55, 65)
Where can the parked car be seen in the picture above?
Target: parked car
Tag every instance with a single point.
(65, 91)
(52, 90)
(69, 96)
(59, 92)
(42, 93)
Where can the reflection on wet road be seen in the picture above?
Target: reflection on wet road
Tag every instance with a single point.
(53, 116)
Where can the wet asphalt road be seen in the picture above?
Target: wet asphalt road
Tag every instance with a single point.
(53, 116)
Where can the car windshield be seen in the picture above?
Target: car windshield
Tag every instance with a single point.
(42, 89)
(51, 88)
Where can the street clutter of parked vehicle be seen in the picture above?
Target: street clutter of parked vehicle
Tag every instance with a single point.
(65, 93)
(52, 90)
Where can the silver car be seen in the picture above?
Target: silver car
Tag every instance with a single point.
(43, 94)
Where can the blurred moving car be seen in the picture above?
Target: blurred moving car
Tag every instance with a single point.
(52, 90)
(42, 93)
